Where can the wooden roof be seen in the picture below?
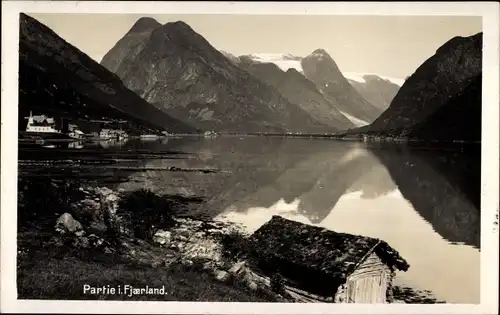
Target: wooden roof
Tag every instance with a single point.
(324, 252)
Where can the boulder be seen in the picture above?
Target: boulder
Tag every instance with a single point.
(205, 249)
(252, 285)
(237, 268)
(95, 241)
(81, 242)
(221, 275)
(103, 191)
(67, 224)
(162, 237)
(112, 198)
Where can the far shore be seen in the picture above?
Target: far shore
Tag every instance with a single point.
(330, 136)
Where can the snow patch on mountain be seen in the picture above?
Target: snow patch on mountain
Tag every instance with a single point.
(359, 77)
(289, 61)
(283, 61)
(356, 121)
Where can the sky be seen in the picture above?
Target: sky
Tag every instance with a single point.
(387, 45)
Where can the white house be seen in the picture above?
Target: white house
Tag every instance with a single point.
(41, 124)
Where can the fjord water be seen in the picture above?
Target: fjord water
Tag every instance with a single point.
(423, 201)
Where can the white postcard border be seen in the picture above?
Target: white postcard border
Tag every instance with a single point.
(489, 164)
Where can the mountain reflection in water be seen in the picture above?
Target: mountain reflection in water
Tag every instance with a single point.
(424, 203)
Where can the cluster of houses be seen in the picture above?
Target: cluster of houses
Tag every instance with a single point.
(42, 124)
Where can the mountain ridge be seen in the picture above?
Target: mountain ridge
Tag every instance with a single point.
(299, 90)
(182, 74)
(450, 77)
(53, 70)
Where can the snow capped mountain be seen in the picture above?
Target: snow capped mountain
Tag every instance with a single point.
(283, 61)
(288, 61)
(377, 89)
(274, 56)
(356, 121)
(361, 77)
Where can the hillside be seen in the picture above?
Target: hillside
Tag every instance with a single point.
(442, 100)
(55, 78)
(182, 74)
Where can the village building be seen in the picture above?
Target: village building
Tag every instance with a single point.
(41, 124)
(75, 132)
(314, 264)
(112, 134)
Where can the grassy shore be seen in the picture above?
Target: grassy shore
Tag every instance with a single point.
(49, 266)
(49, 271)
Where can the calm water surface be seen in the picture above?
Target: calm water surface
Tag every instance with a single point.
(424, 203)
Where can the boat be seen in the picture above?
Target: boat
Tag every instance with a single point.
(149, 137)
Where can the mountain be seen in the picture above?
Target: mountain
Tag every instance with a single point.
(125, 50)
(283, 61)
(320, 68)
(299, 90)
(376, 89)
(56, 78)
(178, 71)
(235, 60)
(441, 100)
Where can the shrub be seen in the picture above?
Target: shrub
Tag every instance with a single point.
(147, 212)
(234, 245)
(39, 198)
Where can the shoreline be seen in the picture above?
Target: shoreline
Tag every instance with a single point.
(337, 137)
(93, 242)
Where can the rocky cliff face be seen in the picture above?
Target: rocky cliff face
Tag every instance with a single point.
(56, 78)
(376, 90)
(442, 99)
(458, 119)
(179, 72)
(127, 48)
(321, 69)
(298, 90)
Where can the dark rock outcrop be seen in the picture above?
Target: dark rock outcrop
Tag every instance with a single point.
(321, 69)
(179, 72)
(299, 90)
(376, 90)
(457, 119)
(442, 99)
(56, 78)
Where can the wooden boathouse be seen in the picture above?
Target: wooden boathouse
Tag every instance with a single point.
(313, 264)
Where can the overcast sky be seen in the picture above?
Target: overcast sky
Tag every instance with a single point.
(388, 45)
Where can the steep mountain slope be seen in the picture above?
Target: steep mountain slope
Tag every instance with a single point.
(298, 90)
(321, 69)
(379, 90)
(127, 48)
(179, 72)
(283, 61)
(235, 60)
(58, 79)
(375, 89)
(442, 99)
(458, 119)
